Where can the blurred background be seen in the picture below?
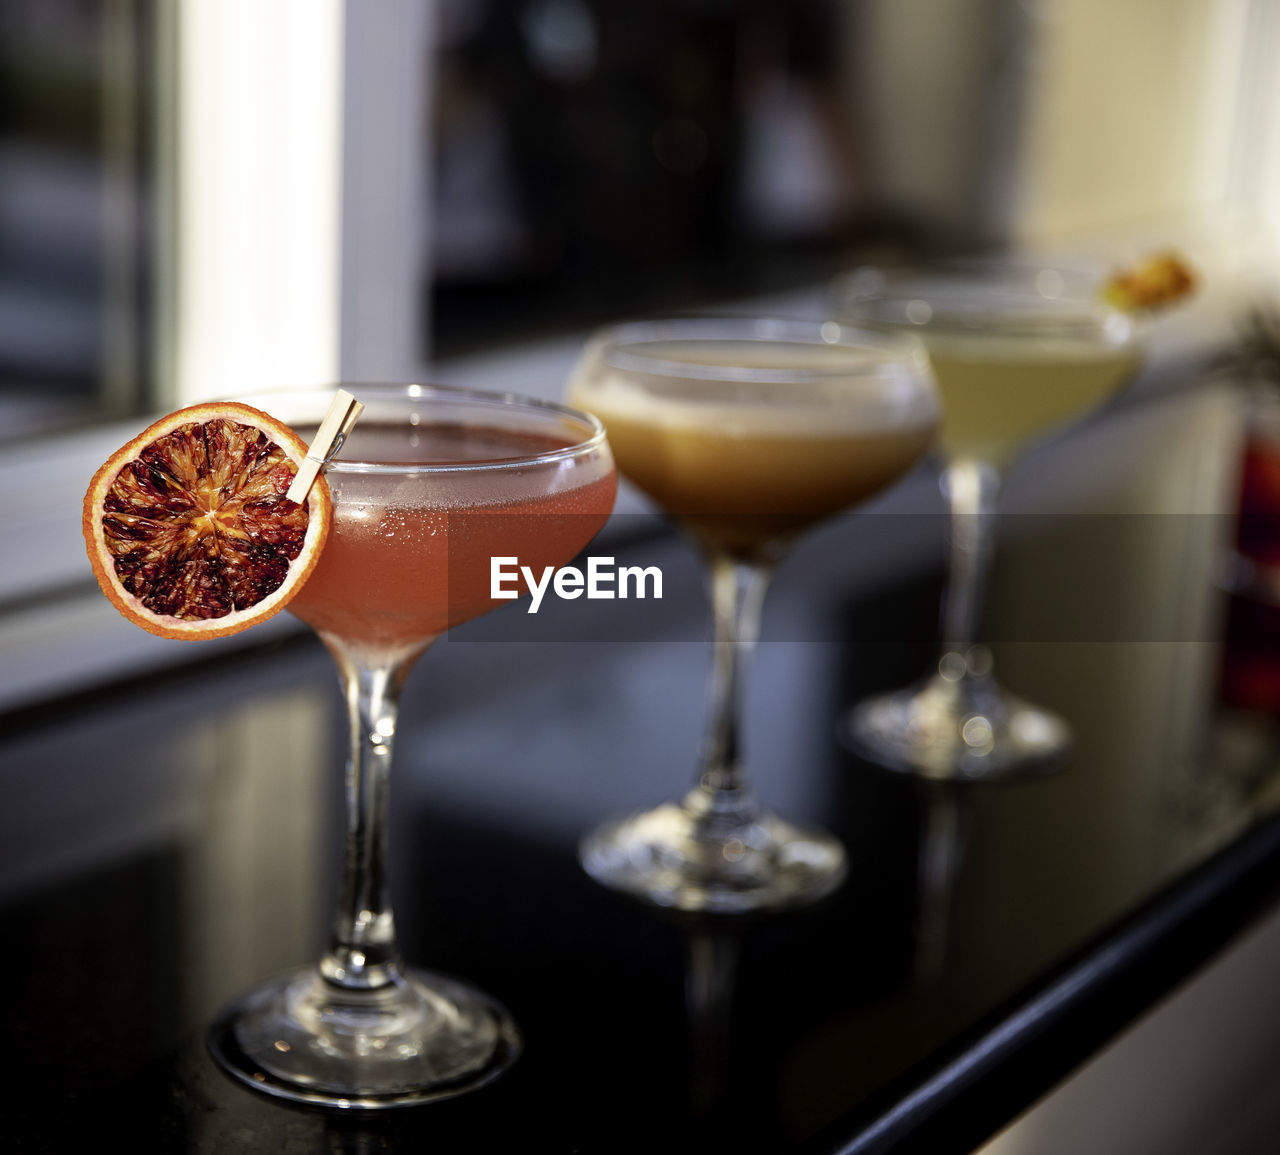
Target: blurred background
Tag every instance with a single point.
(213, 196)
(200, 197)
(195, 194)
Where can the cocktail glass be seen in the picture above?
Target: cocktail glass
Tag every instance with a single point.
(746, 432)
(1018, 351)
(430, 484)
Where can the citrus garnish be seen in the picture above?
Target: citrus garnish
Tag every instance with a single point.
(188, 527)
(1157, 282)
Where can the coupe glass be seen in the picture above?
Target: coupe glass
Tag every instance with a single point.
(746, 432)
(430, 484)
(1018, 351)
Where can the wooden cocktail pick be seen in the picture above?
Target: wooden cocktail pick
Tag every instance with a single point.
(338, 422)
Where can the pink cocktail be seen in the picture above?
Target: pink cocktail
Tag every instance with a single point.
(433, 548)
(430, 485)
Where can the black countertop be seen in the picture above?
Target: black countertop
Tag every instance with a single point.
(168, 841)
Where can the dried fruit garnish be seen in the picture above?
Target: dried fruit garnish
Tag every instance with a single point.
(188, 528)
(1158, 281)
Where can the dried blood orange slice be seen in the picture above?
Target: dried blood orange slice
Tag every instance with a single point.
(188, 526)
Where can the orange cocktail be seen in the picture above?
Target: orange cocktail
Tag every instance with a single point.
(746, 432)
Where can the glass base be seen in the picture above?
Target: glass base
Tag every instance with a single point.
(701, 857)
(422, 1037)
(958, 725)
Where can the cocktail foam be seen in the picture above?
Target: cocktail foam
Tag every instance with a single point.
(758, 403)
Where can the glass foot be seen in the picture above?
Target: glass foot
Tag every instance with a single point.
(702, 857)
(958, 724)
(422, 1037)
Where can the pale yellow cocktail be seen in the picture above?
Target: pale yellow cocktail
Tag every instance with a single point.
(1018, 353)
(999, 394)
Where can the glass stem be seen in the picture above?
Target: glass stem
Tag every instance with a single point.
(972, 489)
(362, 951)
(737, 595)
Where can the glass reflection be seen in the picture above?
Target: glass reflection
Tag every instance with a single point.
(714, 949)
(945, 816)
